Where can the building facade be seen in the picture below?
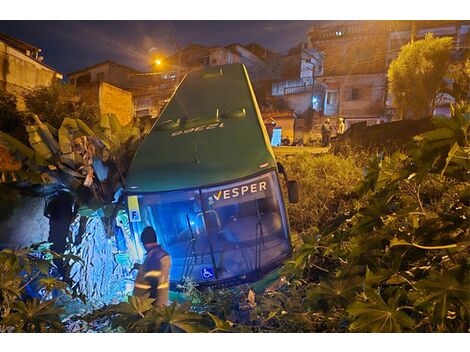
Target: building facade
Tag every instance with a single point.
(356, 59)
(354, 71)
(22, 67)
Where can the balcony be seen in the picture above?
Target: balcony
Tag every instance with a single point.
(299, 89)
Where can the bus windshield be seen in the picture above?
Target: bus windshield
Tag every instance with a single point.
(219, 232)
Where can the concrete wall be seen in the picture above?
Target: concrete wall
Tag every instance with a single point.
(299, 102)
(109, 100)
(26, 224)
(369, 101)
(113, 100)
(20, 73)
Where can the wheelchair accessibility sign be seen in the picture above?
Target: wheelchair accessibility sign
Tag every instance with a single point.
(207, 273)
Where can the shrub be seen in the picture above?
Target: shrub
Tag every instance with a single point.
(404, 247)
(325, 182)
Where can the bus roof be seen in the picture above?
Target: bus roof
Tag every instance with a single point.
(211, 132)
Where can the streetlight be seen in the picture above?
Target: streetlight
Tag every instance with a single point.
(158, 62)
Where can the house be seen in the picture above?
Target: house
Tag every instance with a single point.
(298, 85)
(356, 59)
(22, 67)
(107, 71)
(354, 70)
(133, 92)
(196, 56)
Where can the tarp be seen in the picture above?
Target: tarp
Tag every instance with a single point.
(211, 132)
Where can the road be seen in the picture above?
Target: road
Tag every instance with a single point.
(283, 151)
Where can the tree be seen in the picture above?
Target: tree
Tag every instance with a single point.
(56, 102)
(11, 120)
(459, 86)
(417, 75)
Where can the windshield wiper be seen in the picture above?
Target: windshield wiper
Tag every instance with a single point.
(211, 249)
(259, 225)
(188, 260)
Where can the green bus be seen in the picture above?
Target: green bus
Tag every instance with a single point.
(205, 178)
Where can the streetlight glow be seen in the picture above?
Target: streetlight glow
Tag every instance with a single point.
(158, 62)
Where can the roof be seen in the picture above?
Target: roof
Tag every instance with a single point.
(16, 43)
(107, 62)
(211, 132)
(22, 47)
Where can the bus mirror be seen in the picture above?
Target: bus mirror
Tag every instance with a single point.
(293, 191)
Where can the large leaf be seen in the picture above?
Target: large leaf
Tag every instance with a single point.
(176, 318)
(441, 293)
(336, 290)
(35, 316)
(374, 315)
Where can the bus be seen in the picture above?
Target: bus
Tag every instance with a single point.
(205, 178)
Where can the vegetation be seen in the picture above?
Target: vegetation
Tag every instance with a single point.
(331, 178)
(459, 81)
(384, 250)
(416, 76)
(57, 102)
(67, 146)
(402, 252)
(394, 259)
(29, 296)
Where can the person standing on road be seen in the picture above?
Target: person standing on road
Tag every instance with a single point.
(153, 277)
(341, 127)
(326, 133)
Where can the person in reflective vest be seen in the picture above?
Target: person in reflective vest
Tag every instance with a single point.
(153, 277)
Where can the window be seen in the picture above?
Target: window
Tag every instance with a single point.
(353, 94)
(83, 79)
(214, 61)
(100, 77)
(331, 98)
(72, 81)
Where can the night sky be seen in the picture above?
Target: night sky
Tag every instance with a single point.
(71, 45)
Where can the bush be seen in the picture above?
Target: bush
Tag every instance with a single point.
(26, 292)
(403, 249)
(325, 182)
(56, 102)
(11, 119)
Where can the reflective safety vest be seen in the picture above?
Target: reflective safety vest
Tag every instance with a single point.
(154, 276)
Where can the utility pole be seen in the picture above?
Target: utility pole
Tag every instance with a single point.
(413, 31)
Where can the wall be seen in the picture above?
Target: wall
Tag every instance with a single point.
(113, 100)
(19, 73)
(299, 102)
(26, 224)
(371, 91)
(109, 99)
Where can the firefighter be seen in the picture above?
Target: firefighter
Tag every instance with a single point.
(153, 277)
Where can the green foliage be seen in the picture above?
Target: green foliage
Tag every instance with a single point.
(403, 250)
(59, 101)
(459, 86)
(374, 315)
(326, 181)
(11, 119)
(416, 75)
(444, 299)
(19, 312)
(141, 315)
(286, 310)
